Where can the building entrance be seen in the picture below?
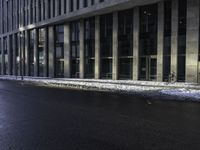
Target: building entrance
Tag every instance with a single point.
(148, 68)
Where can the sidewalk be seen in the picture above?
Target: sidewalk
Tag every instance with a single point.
(179, 90)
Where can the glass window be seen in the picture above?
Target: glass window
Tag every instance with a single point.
(148, 42)
(31, 52)
(182, 14)
(59, 51)
(106, 31)
(125, 43)
(75, 48)
(89, 40)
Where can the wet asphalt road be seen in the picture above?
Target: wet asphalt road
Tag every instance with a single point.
(39, 118)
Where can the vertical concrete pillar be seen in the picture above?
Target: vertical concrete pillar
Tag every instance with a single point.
(81, 4)
(96, 1)
(47, 9)
(82, 53)
(68, 6)
(26, 59)
(1, 16)
(160, 43)
(62, 6)
(136, 29)
(46, 52)
(29, 11)
(51, 47)
(37, 10)
(56, 7)
(14, 54)
(192, 41)
(75, 5)
(174, 38)
(67, 51)
(9, 53)
(115, 47)
(97, 47)
(52, 8)
(36, 59)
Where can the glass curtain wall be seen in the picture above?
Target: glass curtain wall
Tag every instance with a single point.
(59, 51)
(148, 42)
(31, 52)
(11, 54)
(167, 40)
(0, 57)
(125, 44)
(182, 14)
(106, 30)
(41, 50)
(5, 48)
(89, 40)
(75, 49)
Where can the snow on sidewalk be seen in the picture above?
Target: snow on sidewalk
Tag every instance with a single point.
(180, 90)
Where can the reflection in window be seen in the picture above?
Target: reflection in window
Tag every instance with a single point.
(148, 42)
(41, 47)
(106, 30)
(5, 49)
(31, 52)
(167, 40)
(59, 51)
(75, 50)
(89, 37)
(182, 39)
(125, 41)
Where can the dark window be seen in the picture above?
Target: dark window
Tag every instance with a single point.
(106, 30)
(182, 13)
(125, 43)
(59, 51)
(31, 52)
(148, 42)
(75, 50)
(89, 40)
(167, 40)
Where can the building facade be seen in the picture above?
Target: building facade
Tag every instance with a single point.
(101, 39)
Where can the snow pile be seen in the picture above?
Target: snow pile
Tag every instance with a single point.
(184, 93)
(181, 90)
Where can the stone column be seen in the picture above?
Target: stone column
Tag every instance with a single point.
(67, 51)
(37, 10)
(14, 54)
(81, 4)
(82, 53)
(26, 59)
(62, 7)
(56, 7)
(97, 47)
(192, 41)
(46, 9)
(96, 1)
(46, 52)
(136, 29)
(51, 47)
(160, 43)
(75, 5)
(52, 7)
(68, 6)
(174, 38)
(115, 47)
(36, 59)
